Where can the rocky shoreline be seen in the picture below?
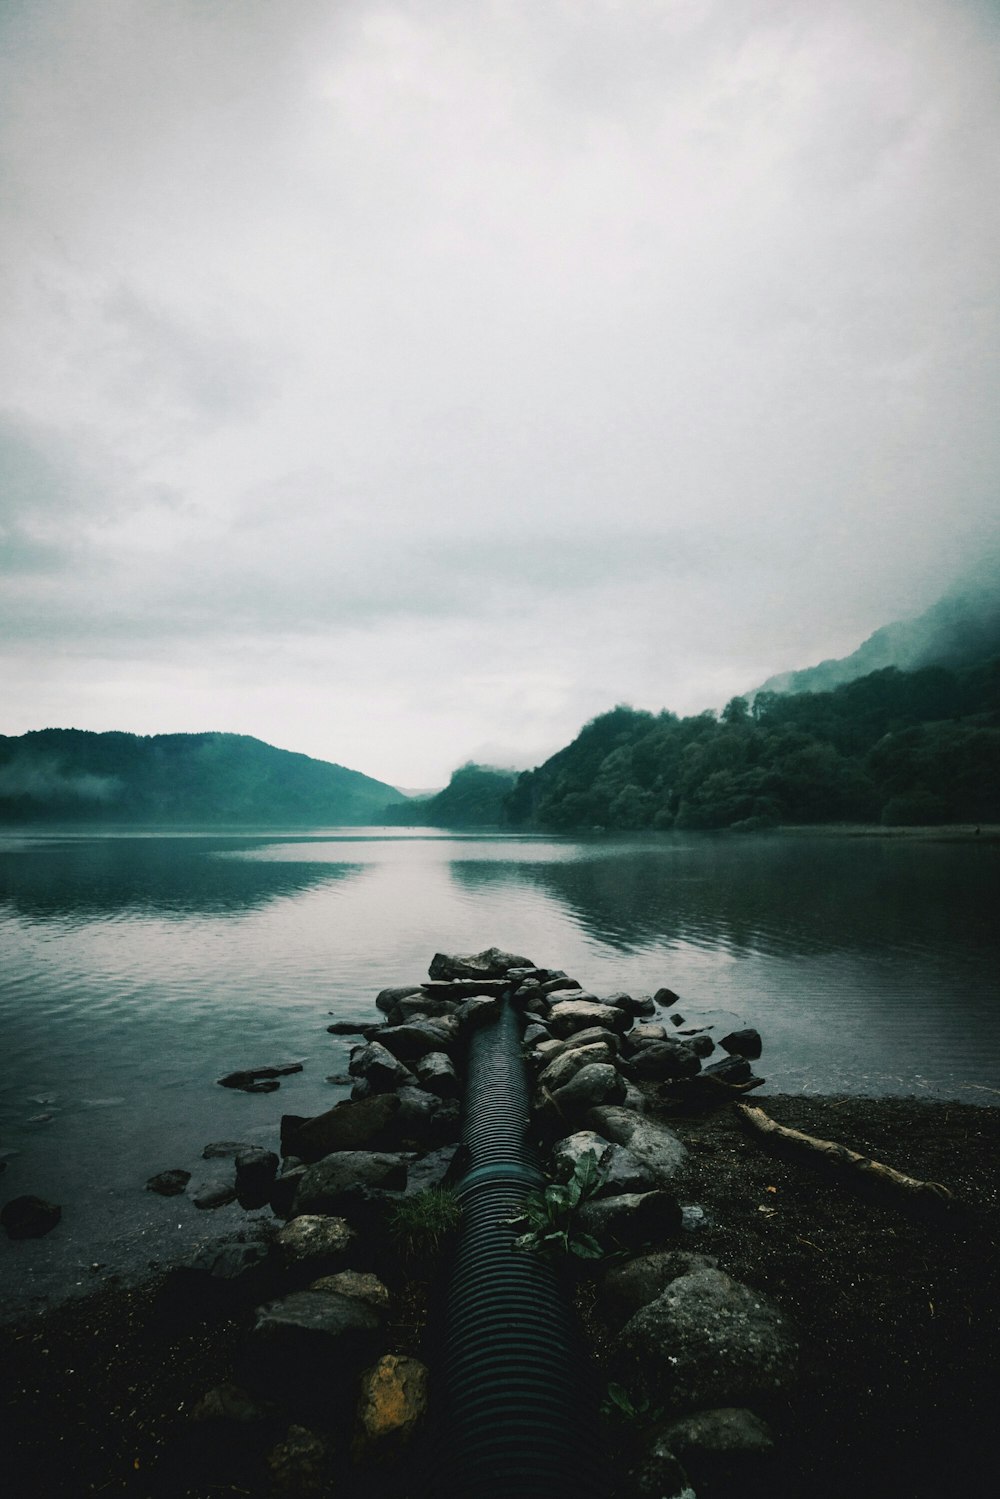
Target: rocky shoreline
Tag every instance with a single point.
(754, 1325)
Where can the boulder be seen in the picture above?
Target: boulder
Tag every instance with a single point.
(666, 997)
(644, 1035)
(347, 1126)
(568, 1063)
(571, 1015)
(330, 1185)
(416, 1038)
(315, 1241)
(29, 1217)
(316, 1337)
(491, 963)
(378, 1068)
(348, 1028)
(435, 1072)
(745, 1043)
(256, 1170)
(214, 1194)
(228, 1402)
(392, 1407)
(360, 1283)
(558, 984)
(534, 1033)
(473, 1012)
(224, 1150)
(597, 1083)
(732, 1069)
(387, 999)
(301, 1464)
(663, 1061)
(635, 1005)
(424, 1122)
(707, 1341)
(220, 1275)
(169, 1183)
(654, 1144)
(589, 1036)
(701, 1044)
(435, 1169)
(423, 1007)
(631, 1219)
(635, 1283)
(723, 1450)
(284, 1188)
(622, 1171)
(456, 989)
(660, 1476)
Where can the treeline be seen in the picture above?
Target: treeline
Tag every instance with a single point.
(474, 797)
(895, 747)
(71, 775)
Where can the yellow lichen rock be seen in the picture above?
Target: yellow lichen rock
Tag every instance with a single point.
(393, 1404)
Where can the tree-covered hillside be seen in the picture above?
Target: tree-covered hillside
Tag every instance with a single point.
(896, 747)
(473, 798)
(60, 775)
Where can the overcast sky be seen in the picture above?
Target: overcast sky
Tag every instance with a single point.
(405, 382)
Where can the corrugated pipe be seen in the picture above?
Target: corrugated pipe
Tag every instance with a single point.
(519, 1416)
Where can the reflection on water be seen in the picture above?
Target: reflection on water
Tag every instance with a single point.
(139, 969)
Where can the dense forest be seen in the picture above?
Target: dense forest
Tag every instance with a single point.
(474, 797)
(895, 747)
(70, 775)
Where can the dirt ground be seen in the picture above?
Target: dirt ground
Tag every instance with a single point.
(897, 1316)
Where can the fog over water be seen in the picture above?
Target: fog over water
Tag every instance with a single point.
(405, 382)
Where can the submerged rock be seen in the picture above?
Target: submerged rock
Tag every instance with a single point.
(259, 1079)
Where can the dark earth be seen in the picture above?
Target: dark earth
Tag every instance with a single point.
(897, 1314)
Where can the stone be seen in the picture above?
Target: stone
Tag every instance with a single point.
(474, 1012)
(666, 997)
(313, 1237)
(256, 1169)
(392, 1406)
(423, 1007)
(218, 1274)
(331, 1184)
(228, 1402)
(663, 1061)
(730, 1070)
(360, 1283)
(387, 999)
(660, 1476)
(415, 1039)
(310, 1340)
(348, 1028)
(214, 1194)
(635, 1283)
(29, 1217)
(436, 1073)
(721, 1450)
(491, 963)
(284, 1188)
(378, 1068)
(568, 1063)
(348, 1125)
(645, 1035)
(558, 984)
(169, 1183)
(630, 1220)
(425, 1122)
(653, 1143)
(622, 1171)
(301, 1464)
(224, 1150)
(701, 1044)
(635, 1005)
(706, 1341)
(535, 1032)
(571, 1015)
(547, 1050)
(589, 1036)
(597, 1083)
(457, 989)
(258, 1079)
(744, 1043)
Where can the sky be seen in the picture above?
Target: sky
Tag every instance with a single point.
(404, 383)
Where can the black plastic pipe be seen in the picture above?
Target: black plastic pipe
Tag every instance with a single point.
(519, 1417)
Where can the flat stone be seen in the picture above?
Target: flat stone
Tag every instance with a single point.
(329, 1185)
(360, 1283)
(348, 1028)
(589, 1036)
(29, 1217)
(663, 1061)
(169, 1183)
(491, 963)
(709, 1341)
(645, 1035)
(259, 1079)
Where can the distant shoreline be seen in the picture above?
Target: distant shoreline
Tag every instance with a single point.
(943, 833)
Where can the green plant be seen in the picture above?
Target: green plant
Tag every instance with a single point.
(420, 1225)
(620, 1406)
(552, 1213)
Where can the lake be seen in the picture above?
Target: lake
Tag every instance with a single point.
(140, 967)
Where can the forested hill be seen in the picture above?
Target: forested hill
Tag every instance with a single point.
(897, 747)
(473, 798)
(60, 775)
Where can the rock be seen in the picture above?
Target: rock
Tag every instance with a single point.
(701, 1044)
(219, 1274)
(283, 1190)
(597, 1083)
(387, 999)
(347, 1126)
(258, 1079)
(666, 997)
(378, 1068)
(436, 1073)
(214, 1194)
(622, 1171)
(644, 1035)
(630, 1220)
(424, 1122)
(348, 1028)
(362, 1284)
(548, 1050)
(570, 1015)
(632, 1285)
(311, 1343)
(745, 1043)
(721, 1449)
(392, 1407)
(29, 1217)
(558, 984)
(332, 1183)
(301, 1464)
(224, 1149)
(169, 1183)
(228, 1402)
(256, 1170)
(662, 1061)
(654, 1144)
(413, 1040)
(589, 1036)
(535, 1032)
(730, 1070)
(473, 1012)
(435, 1169)
(491, 963)
(423, 1007)
(707, 1340)
(314, 1238)
(636, 1005)
(660, 1476)
(568, 1063)
(458, 989)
